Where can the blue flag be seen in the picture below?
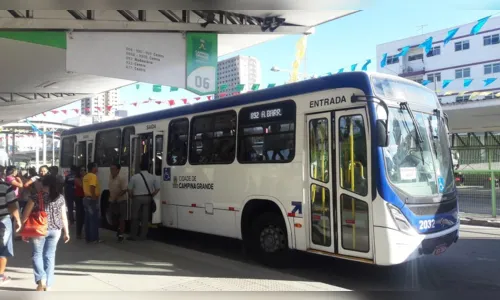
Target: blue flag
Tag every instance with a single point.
(426, 82)
(383, 62)
(427, 45)
(353, 67)
(446, 82)
(365, 66)
(341, 71)
(451, 34)
(489, 81)
(404, 51)
(479, 25)
(467, 82)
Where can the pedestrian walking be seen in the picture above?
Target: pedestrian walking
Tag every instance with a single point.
(50, 201)
(117, 200)
(9, 214)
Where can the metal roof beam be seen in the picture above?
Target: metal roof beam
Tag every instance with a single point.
(77, 14)
(16, 13)
(127, 14)
(171, 16)
(97, 25)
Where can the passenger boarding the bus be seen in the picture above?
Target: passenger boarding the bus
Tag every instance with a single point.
(117, 200)
(142, 188)
(91, 191)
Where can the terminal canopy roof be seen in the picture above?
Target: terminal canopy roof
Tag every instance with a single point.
(34, 78)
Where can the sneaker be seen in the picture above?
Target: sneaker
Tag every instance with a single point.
(120, 238)
(4, 279)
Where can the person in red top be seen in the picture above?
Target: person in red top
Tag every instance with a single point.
(80, 212)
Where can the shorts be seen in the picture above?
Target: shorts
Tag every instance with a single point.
(6, 234)
(118, 210)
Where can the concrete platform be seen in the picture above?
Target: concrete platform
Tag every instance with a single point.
(149, 266)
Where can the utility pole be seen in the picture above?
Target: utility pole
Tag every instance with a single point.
(421, 28)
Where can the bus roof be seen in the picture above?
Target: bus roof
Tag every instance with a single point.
(359, 80)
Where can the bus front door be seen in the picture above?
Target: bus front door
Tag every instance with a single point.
(321, 184)
(353, 183)
(147, 151)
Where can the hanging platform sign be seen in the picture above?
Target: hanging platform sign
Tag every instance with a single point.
(151, 57)
(201, 63)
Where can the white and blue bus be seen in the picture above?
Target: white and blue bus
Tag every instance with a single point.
(355, 165)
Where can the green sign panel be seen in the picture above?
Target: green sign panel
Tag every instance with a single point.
(201, 63)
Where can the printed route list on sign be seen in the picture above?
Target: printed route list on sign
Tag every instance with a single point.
(139, 59)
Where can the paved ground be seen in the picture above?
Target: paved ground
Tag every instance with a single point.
(150, 266)
(174, 263)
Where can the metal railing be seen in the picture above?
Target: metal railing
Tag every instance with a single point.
(477, 179)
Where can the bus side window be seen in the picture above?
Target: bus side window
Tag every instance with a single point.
(107, 147)
(125, 150)
(211, 134)
(68, 151)
(353, 154)
(177, 148)
(267, 133)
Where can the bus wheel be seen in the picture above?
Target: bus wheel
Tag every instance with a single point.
(269, 242)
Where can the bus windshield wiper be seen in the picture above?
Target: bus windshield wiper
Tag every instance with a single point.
(419, 138)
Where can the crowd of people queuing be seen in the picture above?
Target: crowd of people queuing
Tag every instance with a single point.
(66, 201)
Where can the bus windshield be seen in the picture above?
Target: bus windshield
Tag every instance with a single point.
(418, 158)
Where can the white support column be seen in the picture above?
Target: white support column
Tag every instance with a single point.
(37, 152)
(53, 149)
(44, 145)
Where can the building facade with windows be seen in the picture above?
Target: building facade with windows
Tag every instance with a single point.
(99, 104)
(466, 57)
(238, 70)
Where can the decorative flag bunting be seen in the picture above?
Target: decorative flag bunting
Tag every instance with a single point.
(467, 82)
(480, 23)
(489, 81)
(173, 89)
(403, 51)
(255, 87)
(426, 82)
(341, 70)
(271, 85)
(353, 67)
(384, 60)
(156, 88)
(427, 45)
(240, 87)
(446, 83)
(365, 66)
(450, 36)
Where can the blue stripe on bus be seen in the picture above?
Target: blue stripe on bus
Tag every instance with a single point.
(358, 80)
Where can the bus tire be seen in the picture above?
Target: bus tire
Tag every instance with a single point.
(269, 240)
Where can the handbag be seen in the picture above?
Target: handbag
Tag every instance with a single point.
(153, 203)
(37, 224)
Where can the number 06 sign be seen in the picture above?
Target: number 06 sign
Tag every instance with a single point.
(201, 63)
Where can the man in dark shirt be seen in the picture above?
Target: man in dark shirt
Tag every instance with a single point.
(69, 193)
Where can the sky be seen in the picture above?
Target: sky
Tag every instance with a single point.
(334, 45)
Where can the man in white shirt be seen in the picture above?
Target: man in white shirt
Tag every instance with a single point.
(117, 200)
(142, 188)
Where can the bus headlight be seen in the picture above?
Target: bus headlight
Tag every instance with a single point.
(400, 220)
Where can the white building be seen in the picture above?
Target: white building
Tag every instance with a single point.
(98, 105)
(466, 56)
(238, 70)
(122, 113)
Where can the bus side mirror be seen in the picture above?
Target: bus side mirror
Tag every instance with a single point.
(382, 134)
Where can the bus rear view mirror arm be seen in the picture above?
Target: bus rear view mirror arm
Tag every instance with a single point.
(381, 127)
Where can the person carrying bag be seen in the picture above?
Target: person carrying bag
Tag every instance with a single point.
(37, 224)
(143, 204)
